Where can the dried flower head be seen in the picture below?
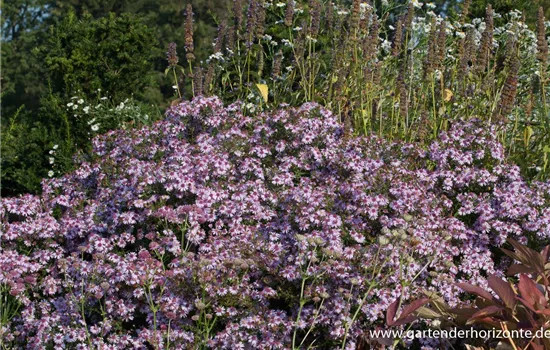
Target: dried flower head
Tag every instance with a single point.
(486, 43)
(509, 90)
(189, 48)
(277, 62)
(172, 55)
(542, 43)
(289, 13)
(238, 14)
(315, 15)
(397, 38)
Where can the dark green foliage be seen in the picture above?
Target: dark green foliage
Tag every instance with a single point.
(76, 57)
(112, 53)
(24, 160)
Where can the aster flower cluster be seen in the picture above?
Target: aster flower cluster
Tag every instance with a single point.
(223, 230)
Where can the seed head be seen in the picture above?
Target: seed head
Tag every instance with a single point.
(289, 14)
(197, 81)
(276, 72)
(238, 13)
(315, 8)
(397, 38)
(409, 17)
(189, 48)
(542, 43)
(485, 46)
(172, 55)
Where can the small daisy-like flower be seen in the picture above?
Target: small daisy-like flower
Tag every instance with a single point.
(416, 3)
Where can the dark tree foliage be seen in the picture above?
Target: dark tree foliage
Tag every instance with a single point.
(112, 53)
(72, 57)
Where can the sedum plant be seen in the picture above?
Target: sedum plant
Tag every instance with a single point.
(520, 303)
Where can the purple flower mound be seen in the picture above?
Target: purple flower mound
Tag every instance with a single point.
(220, 230)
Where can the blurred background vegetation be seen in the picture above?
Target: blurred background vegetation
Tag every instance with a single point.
(63, 57)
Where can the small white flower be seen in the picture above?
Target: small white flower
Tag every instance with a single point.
(75, 107)
(297, 29)
(431, 5)
(309, 38)
(268, 37)
(363, 7)
(280, 4)
(70, 104)
(103, 98)
(216, 56)
(55, 146)
(386, 45)
(287, 43)
(460, 35)
(52, 160)
(50, 173)
(81, 101)
(416, 4)
(86, 109)
(52, 151)
(274, 43)
(175, 87)
(95, 127)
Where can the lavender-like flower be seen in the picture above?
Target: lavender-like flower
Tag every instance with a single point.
(172, 55)
(189, 47)
(289, 13)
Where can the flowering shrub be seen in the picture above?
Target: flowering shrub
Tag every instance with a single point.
(224, 230)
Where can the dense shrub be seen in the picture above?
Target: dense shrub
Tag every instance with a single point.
(83, 57)
(227, 230)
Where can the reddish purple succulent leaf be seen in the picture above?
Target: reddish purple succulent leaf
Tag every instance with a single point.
(503, 290)
(531, 296)
(470, 288)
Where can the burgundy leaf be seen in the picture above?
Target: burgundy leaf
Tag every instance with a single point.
(470, 288)
(519, 268)
(402, 321)
(390, 313)
(503, 290)
(488, 311)
(528, 256)
(407, 310)
(531, 295)
(545, 253)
